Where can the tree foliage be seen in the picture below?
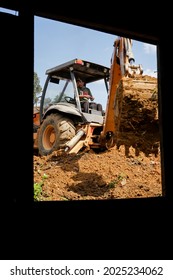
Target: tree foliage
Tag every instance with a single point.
(37, 87)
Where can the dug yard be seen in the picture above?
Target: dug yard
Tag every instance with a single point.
(131, 169)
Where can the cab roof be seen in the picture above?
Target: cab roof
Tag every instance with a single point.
(85, 70)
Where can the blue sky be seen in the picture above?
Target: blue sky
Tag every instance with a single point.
(56, 42)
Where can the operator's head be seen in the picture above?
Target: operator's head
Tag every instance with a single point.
(79, 82)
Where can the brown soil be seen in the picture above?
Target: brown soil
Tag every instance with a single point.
(130, 169)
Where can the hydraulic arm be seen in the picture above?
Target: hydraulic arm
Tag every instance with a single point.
(122, 65)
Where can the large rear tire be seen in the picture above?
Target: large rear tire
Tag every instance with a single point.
(54, 132)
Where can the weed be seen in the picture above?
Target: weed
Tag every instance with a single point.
(38, 188)
(121, 177)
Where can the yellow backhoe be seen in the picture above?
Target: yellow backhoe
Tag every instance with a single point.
(60, 123)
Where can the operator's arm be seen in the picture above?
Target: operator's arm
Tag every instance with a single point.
(91, 97)
(86, 94)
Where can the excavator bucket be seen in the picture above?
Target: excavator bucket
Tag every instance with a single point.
(137, 121)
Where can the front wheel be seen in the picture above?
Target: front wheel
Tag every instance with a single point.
(54, 132)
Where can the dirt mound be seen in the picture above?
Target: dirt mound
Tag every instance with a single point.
(139, 124)
(130, 169)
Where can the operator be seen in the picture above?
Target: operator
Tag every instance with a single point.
(85, 95)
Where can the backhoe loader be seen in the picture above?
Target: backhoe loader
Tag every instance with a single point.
(60, 123)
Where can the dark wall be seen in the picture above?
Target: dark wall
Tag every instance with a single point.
(119, 217)
(16, 97)
(140, 20)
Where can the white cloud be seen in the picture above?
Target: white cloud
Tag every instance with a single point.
(149, 72)
(149, 49)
